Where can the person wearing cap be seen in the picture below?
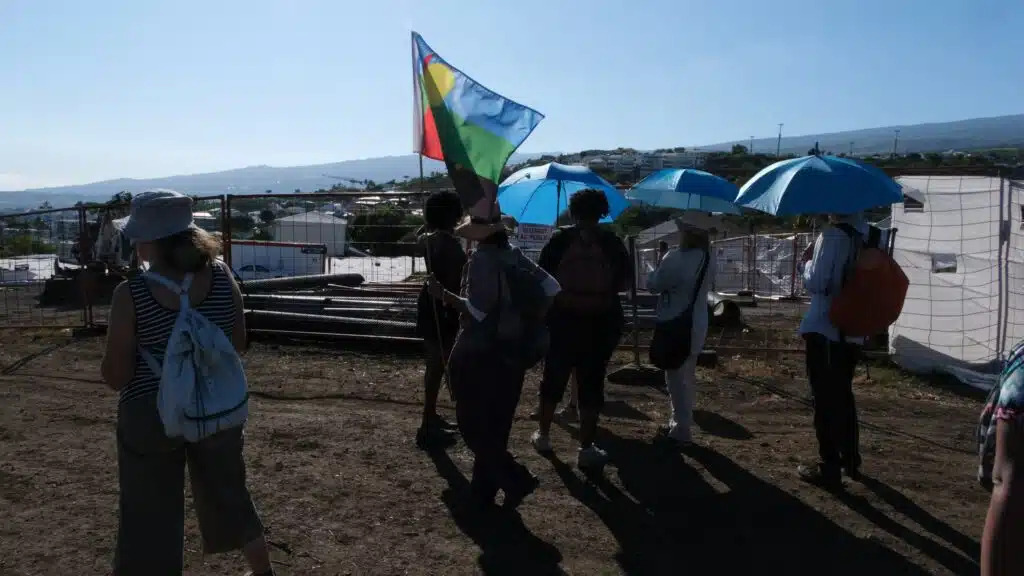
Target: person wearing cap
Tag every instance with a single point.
(485, 368)
(831, 356)
(151, 466)
(674, 280)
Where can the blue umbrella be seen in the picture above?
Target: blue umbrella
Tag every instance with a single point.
(818, 185)
(538, 195)
(686, 189)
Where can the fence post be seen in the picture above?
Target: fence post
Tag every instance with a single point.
(225, 227)
(83, 246)
(632, 297)
(792, 276)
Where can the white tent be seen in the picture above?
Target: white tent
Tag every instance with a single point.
(313, 227)
(959, 240)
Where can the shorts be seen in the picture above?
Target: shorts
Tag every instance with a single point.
(583, 344)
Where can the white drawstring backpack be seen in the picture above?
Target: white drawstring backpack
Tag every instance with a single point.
(203, 389)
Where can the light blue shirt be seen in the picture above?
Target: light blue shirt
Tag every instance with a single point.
(823, 277)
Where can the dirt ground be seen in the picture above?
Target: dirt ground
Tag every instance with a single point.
(342, 490)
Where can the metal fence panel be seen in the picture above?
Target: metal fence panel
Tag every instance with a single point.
(40, 269)
(371, 234)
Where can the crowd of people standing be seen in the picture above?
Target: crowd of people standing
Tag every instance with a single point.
(485, 320)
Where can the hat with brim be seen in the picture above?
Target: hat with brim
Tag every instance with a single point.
(157, 214)
(477, 229)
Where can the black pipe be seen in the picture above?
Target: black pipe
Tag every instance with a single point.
(303, 282)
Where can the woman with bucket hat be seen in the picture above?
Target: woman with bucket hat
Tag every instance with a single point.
(151, 465)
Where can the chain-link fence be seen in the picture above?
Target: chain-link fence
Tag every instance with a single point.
(757, 295)
(40, 269)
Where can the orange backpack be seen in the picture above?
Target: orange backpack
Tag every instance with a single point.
(874, 288)
(585, 275)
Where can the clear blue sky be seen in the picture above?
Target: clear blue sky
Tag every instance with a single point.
(98, 89)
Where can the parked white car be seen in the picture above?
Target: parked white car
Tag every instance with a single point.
(257, 272)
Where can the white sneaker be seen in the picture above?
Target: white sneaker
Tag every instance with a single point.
(592, 457)
(568, 414)
(541, 443)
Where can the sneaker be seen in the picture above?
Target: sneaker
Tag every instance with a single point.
(541, 443)
(665, 440)
(591, 457)
(568, 414)
(822, 476)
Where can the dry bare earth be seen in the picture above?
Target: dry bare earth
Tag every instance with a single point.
(343, 491)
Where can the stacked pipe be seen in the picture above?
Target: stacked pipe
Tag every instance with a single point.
(342, 306)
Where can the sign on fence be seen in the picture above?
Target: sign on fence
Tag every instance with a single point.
(533, 236)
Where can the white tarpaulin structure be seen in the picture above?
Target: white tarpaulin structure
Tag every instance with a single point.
(314, 228)
(960, 242)
(762, 265)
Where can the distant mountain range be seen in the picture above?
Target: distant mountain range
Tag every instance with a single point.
(978, 133)
(974, 134)
(250, 180)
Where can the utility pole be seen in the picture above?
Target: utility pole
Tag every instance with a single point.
(896, 142)
(751, 149)
(778, 143)
(851, 148)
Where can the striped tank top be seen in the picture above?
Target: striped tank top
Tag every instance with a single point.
(154, 322)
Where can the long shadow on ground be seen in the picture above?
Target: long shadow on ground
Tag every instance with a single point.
(506, 545)
(953, 561)
(669, 520)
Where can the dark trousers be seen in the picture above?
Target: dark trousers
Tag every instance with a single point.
(584, 343)
(151, 473)
(485, 409)
(830, 367)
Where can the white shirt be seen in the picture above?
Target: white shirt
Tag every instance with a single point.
(675, 280)
(823, 277)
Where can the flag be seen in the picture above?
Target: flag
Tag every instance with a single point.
(471, 129)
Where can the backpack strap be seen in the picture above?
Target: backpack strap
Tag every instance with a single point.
(874, 237)
(705, 260)
(181, 290)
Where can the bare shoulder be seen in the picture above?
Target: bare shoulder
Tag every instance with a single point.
(122, 293)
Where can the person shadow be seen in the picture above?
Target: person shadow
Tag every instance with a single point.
(669, 518)
(507, 546)
(956, 563)
(718, 425)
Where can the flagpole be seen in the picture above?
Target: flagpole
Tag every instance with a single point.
(417, 97)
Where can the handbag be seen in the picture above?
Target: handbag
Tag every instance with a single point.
(672, 341)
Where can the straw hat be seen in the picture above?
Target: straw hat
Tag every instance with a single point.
(157, 214)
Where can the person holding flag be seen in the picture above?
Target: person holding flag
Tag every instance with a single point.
(504, 296)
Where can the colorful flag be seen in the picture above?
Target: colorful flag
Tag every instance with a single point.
(468, 127)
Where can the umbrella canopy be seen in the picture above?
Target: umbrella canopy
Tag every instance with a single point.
(538, 195)
(686, 189)
(818, 185)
